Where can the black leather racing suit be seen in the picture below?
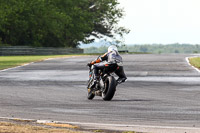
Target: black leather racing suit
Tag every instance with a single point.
(111, 61)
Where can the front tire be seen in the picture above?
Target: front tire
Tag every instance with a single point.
(110, 88)
(90, 94)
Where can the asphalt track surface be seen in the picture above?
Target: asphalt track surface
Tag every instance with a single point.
(161, 90)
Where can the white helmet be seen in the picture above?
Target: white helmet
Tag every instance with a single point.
(112, 48)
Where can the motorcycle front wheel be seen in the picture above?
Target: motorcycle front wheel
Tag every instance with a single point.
(90, 94)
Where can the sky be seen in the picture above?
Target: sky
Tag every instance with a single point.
(161, 21)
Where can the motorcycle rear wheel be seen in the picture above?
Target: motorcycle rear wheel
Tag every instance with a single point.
(110, 88)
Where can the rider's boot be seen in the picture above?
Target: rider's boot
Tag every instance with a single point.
(121, 80)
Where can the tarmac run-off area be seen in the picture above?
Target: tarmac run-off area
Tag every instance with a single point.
(162, 94)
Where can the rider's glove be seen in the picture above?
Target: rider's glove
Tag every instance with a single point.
(89, 64)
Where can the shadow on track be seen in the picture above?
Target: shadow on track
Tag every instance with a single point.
(132, 100)
(125, 100)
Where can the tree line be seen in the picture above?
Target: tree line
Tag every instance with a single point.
(58, 23)
(150, 48)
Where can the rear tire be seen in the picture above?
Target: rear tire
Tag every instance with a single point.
(110, 88)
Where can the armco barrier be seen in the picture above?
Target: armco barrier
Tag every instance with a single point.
(25, 50)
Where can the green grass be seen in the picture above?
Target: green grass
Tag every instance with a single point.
(129, 132)
(195, 61)
(7, 127)
(13, 61)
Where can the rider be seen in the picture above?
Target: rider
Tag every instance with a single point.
(111, 60)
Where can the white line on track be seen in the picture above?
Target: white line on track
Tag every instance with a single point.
(30, 63)
(187, 59)
(26, 64)
(16, 67)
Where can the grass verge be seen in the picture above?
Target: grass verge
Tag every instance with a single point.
(13, 61)
(26, 126)
(7, 127)
(195, 61)
(61, 125)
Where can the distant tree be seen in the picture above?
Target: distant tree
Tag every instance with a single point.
(176, 51)
(58, 23)
(158, 48)
(143, 48)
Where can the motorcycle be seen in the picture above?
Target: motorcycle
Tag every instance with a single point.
(105, 86)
